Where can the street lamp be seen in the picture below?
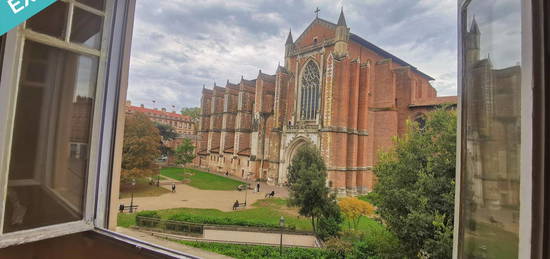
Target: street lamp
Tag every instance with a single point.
(282, 225)
(132, 199)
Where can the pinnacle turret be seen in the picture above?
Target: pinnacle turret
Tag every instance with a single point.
(342, 19)
(289, 38)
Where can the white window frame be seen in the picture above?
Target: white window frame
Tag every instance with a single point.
(15, 40)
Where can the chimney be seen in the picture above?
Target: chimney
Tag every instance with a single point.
(163, 109)
(142, 106)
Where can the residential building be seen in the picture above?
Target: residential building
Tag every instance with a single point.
(182, 124)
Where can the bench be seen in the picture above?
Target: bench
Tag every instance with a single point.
(130, 209)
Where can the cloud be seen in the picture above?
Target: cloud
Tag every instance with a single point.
(179, 45)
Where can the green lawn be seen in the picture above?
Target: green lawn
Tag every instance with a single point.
(141, 189)
(266, 211)
(201, 180)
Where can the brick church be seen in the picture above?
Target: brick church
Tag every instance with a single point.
(336, 90)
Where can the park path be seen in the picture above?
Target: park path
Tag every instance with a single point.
(244, 237)
(190, 197)
(170, 244)
(260, 238)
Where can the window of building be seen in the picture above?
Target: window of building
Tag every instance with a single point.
(309, 91)
(491, 123)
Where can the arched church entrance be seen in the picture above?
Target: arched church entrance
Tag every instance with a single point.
(291, 151)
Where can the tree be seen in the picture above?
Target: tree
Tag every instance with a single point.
(167, 132)
(140, 148)
(308, 190)
(415, 190)
(353, 209)
(185, 153)
(193, 112)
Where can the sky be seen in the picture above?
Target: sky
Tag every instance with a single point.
(180, 45)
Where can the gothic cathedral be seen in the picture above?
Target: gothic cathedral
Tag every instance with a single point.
(336, 90)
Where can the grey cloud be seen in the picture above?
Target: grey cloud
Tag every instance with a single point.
(180, 45)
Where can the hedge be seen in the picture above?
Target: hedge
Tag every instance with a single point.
(147, 214)
(224, 221)
(256, 252)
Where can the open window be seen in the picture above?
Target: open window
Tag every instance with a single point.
(63, 80)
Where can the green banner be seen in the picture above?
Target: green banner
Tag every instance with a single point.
(14, 12)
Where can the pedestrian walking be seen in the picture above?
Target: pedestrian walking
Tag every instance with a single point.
(236, 205)
(173, 187)
(258, 187)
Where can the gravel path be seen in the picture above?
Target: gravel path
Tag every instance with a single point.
(190, 197)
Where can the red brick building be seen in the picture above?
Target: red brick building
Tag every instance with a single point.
(335, 90)
(181, 123)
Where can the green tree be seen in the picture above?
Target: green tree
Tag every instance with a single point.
(415, 190)
(193, 112)
(308, 191)
(185, 153)
(167, 132)
(140, 148)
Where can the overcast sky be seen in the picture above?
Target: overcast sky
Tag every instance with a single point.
(179, 45)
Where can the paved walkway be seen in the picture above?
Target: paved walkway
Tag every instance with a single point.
(244, 237)
(259, 238)
(190, 197)
(170, 244)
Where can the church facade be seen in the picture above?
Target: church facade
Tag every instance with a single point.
(336, 90)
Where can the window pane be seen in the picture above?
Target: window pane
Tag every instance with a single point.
(86, 28)
(97, 4)
(491, 144)
(51, 136)
(51, 20)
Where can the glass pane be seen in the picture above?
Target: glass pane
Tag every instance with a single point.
(86, 28)
(51, 136)
(491, 145)
(97, 4)
(51, 20)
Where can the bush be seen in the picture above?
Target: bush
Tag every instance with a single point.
(338, 248)
(257, 252)
(147, 214)
(225, 221)
(377, 244)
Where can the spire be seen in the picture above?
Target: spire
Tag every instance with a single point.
(289, 38)
(474, 28)
(342, 19)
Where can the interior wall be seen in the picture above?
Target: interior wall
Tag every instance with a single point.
(82, 245)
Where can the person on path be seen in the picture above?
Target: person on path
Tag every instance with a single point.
(258, 187)
(236, 205)
(173, 187)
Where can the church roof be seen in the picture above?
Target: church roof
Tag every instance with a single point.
(366, 44)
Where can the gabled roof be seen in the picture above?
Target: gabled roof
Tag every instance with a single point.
(366, 44)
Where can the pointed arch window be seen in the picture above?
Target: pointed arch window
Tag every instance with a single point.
(310, 92)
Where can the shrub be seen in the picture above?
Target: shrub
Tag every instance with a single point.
(338, 248)
(256, 252)
(147, 214)
(377, 244)
(225, 221)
